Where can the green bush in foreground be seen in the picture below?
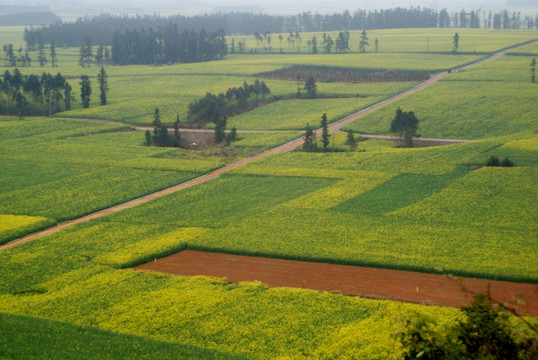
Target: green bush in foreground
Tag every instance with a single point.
(487, 332)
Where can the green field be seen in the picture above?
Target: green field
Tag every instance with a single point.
(436, 210)
(404, 40)
(56, 169)
(493, 99)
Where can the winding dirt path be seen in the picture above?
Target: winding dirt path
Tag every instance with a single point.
(427, 289)
(292, 145)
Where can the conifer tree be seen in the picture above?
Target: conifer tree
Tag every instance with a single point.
(309, 144)
(351, 141)
(103, 85)
(85, 90)
(324, 133)
(363, 43)
(533, 69)
(310, 87)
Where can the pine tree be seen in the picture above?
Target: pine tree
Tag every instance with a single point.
(405, 124)
(177, 136)
(85, 90)
(533, 69)
(309, 144)
(103, 85)
(363, 43)
(351, 141)
(53, 54)
(455, 42)
(310, 87)
(42, 58)
(148, 138)
(324, 133)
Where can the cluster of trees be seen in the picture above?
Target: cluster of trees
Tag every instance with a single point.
(167, 46)
(494, 161)
(310, 141)
(405, 125)
(29, 18)
(235, 100)
(11, 59)
(86, 88)
(33, 95)
(309, 87)
(102, 27)
(160, 136)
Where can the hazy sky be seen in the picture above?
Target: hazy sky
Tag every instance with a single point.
(190, 7)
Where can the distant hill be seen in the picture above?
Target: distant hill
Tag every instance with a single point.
(30, 18)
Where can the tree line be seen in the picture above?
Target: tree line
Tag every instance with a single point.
(102, 27)
(33, 95)
(166, 46)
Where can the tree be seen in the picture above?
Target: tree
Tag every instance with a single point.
(310, 87)
(42, 58)
(324, 132)
(177, 136)
(53, 54)
(455, 42)
(160, 132)
(85, 90)
(103, 85)
(99, 55)
(314, 44)
(363, 43)
(67, 96)
(533, 69)
(405, 124)
(411, 127)
(351, 141)
(485, 332)
(148, 138)
(220, 128)
(309, 143)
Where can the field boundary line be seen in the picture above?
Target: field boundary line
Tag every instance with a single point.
(287, 147)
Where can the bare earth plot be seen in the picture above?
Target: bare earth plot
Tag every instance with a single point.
(428, 289)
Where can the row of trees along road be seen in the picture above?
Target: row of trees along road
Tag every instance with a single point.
(102, 27)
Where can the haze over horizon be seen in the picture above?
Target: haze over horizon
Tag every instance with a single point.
(192, 7)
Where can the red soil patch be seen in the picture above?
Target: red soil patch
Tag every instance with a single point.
(375, 283)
